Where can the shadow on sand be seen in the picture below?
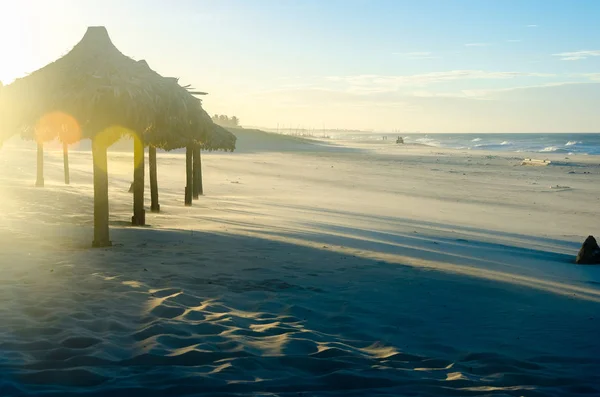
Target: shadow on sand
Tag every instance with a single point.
(174, 313)
(315, 307)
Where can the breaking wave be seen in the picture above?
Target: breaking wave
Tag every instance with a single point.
(553, 149)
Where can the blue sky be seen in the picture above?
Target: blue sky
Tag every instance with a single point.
(427, 65)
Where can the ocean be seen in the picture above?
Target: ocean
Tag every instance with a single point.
(577, 143)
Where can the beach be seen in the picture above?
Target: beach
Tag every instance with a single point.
(307, 268)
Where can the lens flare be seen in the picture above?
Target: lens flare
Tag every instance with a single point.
(57, 124)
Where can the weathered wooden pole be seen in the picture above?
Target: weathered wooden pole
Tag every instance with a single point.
(101, 231)
(139, 214)
(40, 165)
(66, 163)
(197, 172)
(189, 175)
(154, 205)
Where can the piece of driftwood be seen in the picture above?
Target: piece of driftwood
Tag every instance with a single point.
(536, 162)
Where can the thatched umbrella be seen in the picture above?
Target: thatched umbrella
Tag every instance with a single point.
(208, 135)
(170, 132)
(109, 95)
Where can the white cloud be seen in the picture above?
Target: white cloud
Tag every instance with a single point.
(386, 83)
(432, 94)
(577, 55)
(485, 94)
(593, 76)
(476, 44)
(545, 107)
(416, 55)
(532, 26)
(482, 94)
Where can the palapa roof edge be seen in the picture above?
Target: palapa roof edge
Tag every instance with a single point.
(220, 139)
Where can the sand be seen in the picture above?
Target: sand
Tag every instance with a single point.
(306, 269)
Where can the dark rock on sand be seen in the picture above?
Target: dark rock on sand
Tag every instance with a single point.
(589, 254)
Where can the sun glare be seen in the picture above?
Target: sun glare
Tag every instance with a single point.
(27, 39)
(14, 39)
(58, 124)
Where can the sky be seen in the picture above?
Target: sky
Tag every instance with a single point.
(381, 65)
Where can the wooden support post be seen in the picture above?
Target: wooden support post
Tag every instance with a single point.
(40, 165)
(197, 173)
(189, 175)
(199, 181)
(66, 163)
(154, 206)
(139, 214)
(101, 230)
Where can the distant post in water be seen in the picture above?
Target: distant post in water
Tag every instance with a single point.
(189, 175)
(66, 163)
(154, 205)
(101, 231)
(139, 214)
(40, 165)
(198, 190)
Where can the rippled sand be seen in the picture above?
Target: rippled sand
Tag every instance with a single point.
(285, 283)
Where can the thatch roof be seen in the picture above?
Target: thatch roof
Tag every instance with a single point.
(103, 91)
(210, 137)
(172, 131)
(218, 138)
(166, 135)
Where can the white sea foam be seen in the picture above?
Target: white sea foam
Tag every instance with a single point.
(549, 149)
(428, 141)
(554, 149)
